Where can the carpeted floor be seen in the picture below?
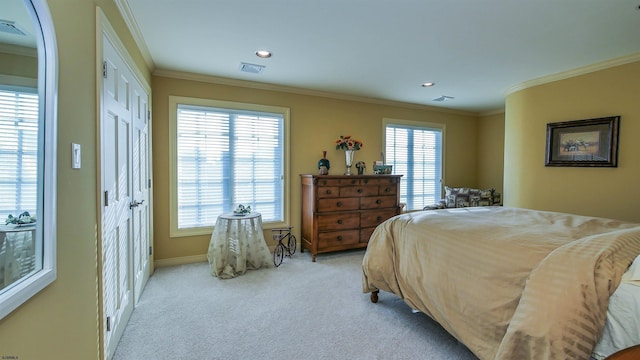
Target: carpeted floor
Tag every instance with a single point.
(300, 310)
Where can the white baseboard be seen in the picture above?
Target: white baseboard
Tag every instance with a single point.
(180, 260)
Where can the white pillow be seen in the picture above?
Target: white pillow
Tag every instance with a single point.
(632, 275)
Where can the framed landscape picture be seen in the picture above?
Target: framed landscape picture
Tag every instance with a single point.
(590, 142)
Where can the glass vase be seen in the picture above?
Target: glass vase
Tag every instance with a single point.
(348, 160)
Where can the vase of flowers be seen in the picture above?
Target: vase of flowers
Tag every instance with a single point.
(350, 146)
(348, 160)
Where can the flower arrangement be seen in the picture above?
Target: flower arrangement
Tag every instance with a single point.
(22, 219)
(242, 210)
(348, 143)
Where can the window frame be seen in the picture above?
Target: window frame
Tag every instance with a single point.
(174, 101)
(7, 86)
(422, 126)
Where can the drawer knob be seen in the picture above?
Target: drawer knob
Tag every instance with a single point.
(340, 221)
(378, 201)
(387, 190)
(328, 191)
(379, 218)
(339, 203)
(353, 181)
(359, 190)
(340, 237)
(366, 181)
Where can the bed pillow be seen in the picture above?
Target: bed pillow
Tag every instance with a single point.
(467, 197)
(632, 275)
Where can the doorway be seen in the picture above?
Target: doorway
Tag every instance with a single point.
(125, 182)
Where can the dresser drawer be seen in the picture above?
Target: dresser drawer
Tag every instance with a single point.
(388, 181)
(350, 191)
(369, 181)
(328, 182)
(378, 202)
(338, 238)
(338, 221)
(350, 181)
(328, 192)
(340, 204)
(387, 189)
(365, 234)
(374, 218)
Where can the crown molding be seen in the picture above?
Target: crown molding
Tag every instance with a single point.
(492, 112)
(132, 25)
(300, 91)
(575, 72)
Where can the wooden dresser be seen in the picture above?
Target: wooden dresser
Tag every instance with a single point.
(340, 212)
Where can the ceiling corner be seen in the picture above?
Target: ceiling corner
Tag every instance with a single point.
(132, 25)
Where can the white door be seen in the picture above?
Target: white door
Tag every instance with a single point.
(125, 205)
(141, 184)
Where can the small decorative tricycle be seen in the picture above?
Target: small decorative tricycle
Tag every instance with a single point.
(283, 234)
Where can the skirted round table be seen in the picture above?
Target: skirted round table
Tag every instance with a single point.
(237, 245)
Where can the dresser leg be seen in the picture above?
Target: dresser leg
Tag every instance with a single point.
(313, 257)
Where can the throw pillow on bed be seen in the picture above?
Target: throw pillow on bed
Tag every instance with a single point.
(467, 197)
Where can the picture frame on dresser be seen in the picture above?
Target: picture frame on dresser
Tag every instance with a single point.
(340, 212)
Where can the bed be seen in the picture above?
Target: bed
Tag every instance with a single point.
(511, 283)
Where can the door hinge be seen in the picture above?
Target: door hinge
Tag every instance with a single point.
(148, 114)
(149, 183)
(104, 69)
(106, 198)
(108, 323)
(150, 250)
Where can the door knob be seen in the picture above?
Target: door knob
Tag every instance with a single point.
(135, 204)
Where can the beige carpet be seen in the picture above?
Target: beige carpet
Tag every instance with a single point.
(300, 310)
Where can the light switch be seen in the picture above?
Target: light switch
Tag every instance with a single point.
(75, 156)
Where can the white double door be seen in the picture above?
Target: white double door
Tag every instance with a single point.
(125, 246)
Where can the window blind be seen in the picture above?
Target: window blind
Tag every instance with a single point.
(227, 157)
(417, 154)
(18, 152)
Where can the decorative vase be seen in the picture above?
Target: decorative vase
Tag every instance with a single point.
(348, 160)
(324, 165)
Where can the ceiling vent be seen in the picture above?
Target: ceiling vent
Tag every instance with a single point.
(443, 98)
(11, 27)
(251, 68)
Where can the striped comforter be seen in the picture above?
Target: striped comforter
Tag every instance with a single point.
(509, 283)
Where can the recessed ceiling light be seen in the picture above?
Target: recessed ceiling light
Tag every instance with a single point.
(428, 84)
(263, 54)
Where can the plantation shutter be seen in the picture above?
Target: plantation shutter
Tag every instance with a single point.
(228, 157)
(416, 153)
(18, 152)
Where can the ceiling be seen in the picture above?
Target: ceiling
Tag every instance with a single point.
(474, 51)
(16, 24)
